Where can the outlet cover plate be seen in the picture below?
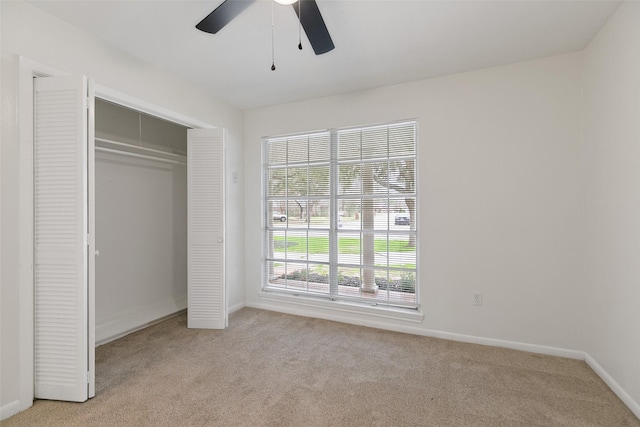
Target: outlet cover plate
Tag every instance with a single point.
(477, 298)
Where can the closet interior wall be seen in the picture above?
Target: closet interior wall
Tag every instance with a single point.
(141, 219)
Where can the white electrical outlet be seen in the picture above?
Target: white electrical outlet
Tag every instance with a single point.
(477, 298)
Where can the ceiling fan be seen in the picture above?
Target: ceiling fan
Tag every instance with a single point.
(307, 11)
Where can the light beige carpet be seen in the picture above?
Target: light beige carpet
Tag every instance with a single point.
(271, 369)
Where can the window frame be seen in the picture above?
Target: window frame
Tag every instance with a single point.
(334, 231)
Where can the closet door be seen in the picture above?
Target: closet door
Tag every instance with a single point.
(63, 239)
(206, 306)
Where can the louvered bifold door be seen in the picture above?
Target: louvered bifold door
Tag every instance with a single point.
(206, 306)
(62, 277)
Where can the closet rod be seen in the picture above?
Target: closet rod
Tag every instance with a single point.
(139, 147)
(141, 156)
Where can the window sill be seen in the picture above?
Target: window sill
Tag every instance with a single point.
(341, 307)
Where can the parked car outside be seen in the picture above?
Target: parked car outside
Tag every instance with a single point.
(279, 217)
(402, 219)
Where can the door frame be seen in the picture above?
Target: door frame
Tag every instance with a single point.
(28, 70)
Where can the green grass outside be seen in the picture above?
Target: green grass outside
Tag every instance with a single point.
(346, 245)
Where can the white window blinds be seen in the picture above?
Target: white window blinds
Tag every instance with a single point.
(340, 214)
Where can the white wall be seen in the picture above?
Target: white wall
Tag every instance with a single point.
(499, 188)
(611, 69)
(34, 34)
(4, 309)
(141, 233)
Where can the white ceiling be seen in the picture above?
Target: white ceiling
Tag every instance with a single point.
(377, 42)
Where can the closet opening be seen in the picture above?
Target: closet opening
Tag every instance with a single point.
(58, 164)
(141, 219)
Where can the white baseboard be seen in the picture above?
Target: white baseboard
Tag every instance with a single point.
(123, 323)
(9, 410)
(613, 385)
(235, 308)
(410, 329)
(513, 345)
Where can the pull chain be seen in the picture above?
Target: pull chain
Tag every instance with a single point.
(273, 61)
(299, 25)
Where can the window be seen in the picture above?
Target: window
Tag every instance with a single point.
(341, 213)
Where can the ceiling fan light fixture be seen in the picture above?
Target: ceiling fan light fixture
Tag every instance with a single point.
(311, 21)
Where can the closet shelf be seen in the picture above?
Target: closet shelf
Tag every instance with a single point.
(116, 147)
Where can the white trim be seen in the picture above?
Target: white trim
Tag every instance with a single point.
(235, 308)
(337, 309)
(336, 314)
(613, 385)
(139, 328)
(178, 303)
(91, 264)
(134, 103)
(513, 345)
(9, 410)
(124, 323)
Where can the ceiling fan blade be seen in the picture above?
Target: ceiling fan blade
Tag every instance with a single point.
(222, 15)
(314, 26)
